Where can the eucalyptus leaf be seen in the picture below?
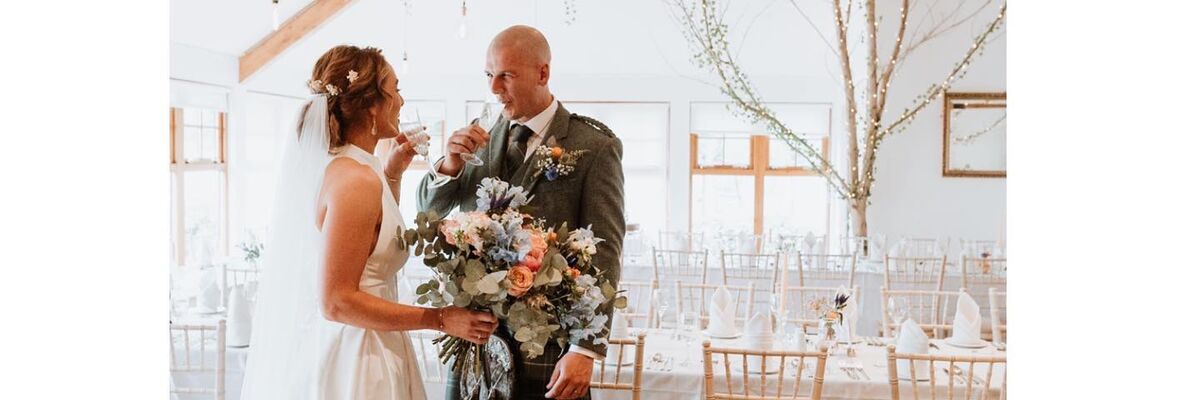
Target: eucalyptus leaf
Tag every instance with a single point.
(621, 302)
(462, 299)
(524, 334)
(423, 288)
(490, 284)
(475, 269)
(558, 262)
(607, 290)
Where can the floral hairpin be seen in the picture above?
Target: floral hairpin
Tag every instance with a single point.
(316, 86)
(352, 76)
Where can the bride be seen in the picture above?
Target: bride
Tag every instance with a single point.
(327, 324)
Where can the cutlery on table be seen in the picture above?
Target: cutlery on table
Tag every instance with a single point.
(975, 379)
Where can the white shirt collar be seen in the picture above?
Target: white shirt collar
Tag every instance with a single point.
(541, 122)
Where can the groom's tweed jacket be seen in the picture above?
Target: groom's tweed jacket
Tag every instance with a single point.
(592, 195)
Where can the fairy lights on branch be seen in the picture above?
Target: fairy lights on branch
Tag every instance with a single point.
(865, 107)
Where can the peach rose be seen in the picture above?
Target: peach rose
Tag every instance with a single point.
(533, 261)
(573, 273)
(449, 226)
(556, 152)
(520, 280)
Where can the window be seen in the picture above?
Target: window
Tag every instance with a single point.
(745, 181)
(199, 200)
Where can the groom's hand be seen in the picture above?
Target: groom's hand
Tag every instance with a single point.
(571, 378)
(465, 140)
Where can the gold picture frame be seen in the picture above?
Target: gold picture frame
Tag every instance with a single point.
(974, 134)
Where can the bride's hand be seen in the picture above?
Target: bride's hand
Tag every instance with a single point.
(400, 156)
(473, 326)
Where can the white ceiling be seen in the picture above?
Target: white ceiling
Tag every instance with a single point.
(611, 38)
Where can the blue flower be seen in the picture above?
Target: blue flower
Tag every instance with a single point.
(551, 173)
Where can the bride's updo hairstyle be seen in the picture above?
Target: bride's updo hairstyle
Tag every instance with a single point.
(351, 78)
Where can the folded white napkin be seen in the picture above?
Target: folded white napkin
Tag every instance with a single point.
(759, 337)
(912, 340)
(758, 328)
(210, 297)
(849, 316)
(966, 321)
(620, 330)
(878, 246)
(238, 321)
(721, 313)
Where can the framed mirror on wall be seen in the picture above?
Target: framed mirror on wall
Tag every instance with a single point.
(974, 135)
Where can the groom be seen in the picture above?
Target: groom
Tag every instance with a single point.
(518, 70)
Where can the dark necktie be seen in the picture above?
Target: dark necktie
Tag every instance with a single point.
(520, 135)
(518, 143)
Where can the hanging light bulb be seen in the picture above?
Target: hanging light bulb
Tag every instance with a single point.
(404, 64)
(275, 15)
(462, 27)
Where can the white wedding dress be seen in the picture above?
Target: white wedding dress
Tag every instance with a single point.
(297, 354)
(366, 364)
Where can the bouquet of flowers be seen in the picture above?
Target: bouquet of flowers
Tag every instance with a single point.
(540, 282)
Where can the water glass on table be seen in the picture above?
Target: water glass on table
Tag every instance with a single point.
(689, 322)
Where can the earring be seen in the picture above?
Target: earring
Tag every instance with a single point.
(373, 128)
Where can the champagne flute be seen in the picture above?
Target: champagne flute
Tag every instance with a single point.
(415, 132)
(661, 305)
(487, 118)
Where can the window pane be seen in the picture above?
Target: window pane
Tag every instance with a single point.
(203, 216)
(795, 205)
(210, 147)
(193, 140)
(728, 149)
(201, 136)
(174, 223)
(722, 203)
(783, 156)
(210, 117)
(191, 116)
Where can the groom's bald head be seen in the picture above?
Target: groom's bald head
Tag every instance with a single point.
(528, 44)
(518, 70)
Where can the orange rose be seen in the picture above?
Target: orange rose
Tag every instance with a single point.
(556, 152)
(552, 236)
(573, 273)
(520, 279)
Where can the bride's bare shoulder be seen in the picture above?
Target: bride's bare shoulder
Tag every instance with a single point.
(348, 179)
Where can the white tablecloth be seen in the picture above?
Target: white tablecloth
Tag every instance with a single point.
(685, 379)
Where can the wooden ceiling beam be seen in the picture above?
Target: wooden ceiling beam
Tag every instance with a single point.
(297, 27)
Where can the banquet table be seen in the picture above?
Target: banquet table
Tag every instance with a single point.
(868, 279)
(680, 375)
(683, 375)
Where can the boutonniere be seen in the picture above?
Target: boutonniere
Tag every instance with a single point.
(554, 162)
